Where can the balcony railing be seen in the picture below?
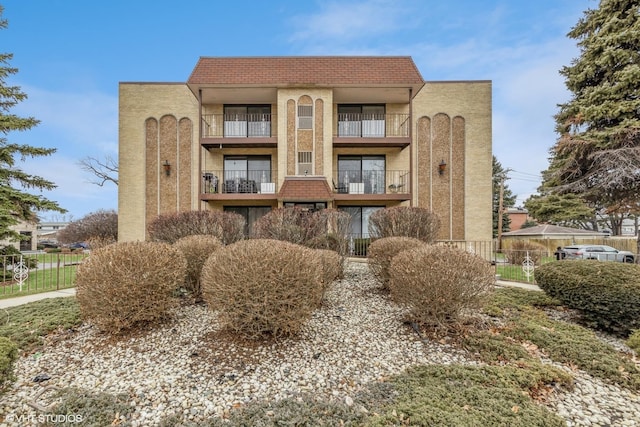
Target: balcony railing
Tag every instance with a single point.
(354, 125)
(239, 182)
(237, 125)
(372, 181)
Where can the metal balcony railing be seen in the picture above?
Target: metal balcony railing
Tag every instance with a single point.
(354, 125)
(239, 182)
(237, 125)
(372, 181)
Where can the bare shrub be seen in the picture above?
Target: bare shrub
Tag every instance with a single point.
(228, 227)
(99, 225)
(262, 286)
(419, 223)
(324, 229)
(520, 249)
(382, 251)
(438, 284)
(122, 285)
(196, 249)
(332, 266)
(99, 242)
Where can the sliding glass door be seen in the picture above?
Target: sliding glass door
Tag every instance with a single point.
(241, 121)
(368, 170)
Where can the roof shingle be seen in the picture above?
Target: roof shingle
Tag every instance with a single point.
(307, 70)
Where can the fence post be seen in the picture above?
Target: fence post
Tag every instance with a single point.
(58, 273)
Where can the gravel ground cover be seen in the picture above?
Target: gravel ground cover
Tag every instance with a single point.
(191, 370)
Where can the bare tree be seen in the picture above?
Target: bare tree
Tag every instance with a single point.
(105, 170)
(102, 224)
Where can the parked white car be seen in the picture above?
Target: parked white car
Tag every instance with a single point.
(599, 252)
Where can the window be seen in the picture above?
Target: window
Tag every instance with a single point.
(305, 163)
(361, 120)
(305, 116)
(244, 174)
(250, 214)
(367, 170)
(243, 121)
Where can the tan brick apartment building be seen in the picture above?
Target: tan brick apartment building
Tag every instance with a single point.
(250, 134)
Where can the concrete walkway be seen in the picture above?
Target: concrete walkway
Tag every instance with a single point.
(528, 286)
(12, 302)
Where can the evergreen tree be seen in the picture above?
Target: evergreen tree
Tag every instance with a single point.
(16, 203)
(508, 198)
(597, 155)
(567, 210)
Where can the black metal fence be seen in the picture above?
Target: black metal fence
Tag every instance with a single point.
(38, 272)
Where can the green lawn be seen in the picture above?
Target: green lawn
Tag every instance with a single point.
(516, 273)
(55, 271)
(41, 280)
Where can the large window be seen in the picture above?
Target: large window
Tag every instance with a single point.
(244, 174)
(368, 170)
(361, 120)
(359, 225)
(247, 121)
(250, 213)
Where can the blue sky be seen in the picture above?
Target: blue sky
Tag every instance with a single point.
(71, 55)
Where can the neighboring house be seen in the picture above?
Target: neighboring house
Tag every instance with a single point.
(553, 236)
(548, 231)
(250, 134)
(48, 230)
(26, 229)
(517, 217)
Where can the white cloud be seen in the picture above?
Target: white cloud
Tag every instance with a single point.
(344, 21)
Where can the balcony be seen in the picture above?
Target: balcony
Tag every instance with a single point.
(238, 130)
(233, 185)
(372, 184)
(372, 130)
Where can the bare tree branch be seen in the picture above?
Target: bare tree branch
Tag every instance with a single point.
(105, 170)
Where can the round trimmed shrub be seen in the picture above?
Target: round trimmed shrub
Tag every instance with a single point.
(606, 293)
(406, 221)
(228, 227)
(332, 266)
(122, 285)
(263, 287)
(438, 284)
(196, 249)
(519, 249)
(323, 229)
(381, 252)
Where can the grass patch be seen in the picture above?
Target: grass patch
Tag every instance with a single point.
(517, 299)
(26, 325)
(576, 346)
(466, 396)
(634, 341)
(62, 258)
(527, 327)
(95, 409)
(303, 411)
(42, 280)
(426, 396)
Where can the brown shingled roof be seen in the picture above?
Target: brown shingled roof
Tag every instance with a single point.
(307, 70)
(302, 188)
